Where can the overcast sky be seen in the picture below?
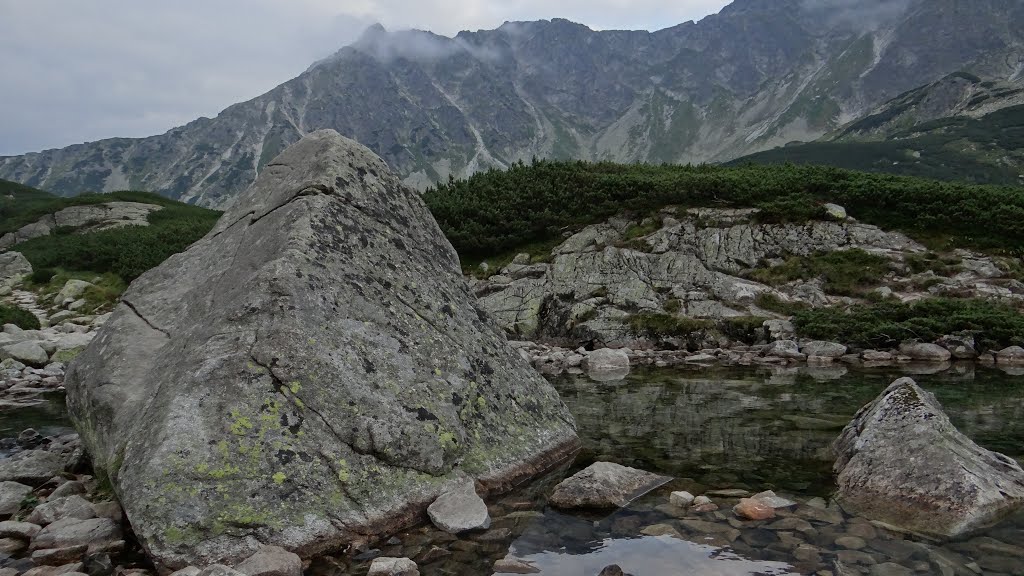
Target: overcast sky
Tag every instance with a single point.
(73, 71)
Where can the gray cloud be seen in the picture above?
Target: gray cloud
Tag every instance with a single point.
(90, 69)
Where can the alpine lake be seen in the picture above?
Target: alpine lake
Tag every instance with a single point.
(723, 432)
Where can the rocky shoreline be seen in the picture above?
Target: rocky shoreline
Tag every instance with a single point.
(554, 360)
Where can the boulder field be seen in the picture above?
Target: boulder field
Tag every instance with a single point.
(313, 371)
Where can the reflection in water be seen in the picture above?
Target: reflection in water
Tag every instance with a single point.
(49, 418)
(767, 428)
(562, 545)
(711, 428)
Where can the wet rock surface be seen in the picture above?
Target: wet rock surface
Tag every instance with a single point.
(327, 295)
(901, 461)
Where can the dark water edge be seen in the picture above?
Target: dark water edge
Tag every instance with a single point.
(711, 428)
(769, 428)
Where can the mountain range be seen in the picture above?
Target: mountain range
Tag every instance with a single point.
(758, 75)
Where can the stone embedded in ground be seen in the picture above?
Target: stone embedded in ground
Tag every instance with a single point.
(219, 570)
(901, 461)
(32, 467)
(753, 509)
(271, 561)
(59, 556)
(604, 485)
(20, 530)
(312, 371)
(924, 352)
(459, 509)
(29, 352)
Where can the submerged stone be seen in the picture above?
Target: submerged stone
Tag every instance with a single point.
(312, 371)
(901, 461)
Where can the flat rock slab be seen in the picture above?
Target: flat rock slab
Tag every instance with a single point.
(459, 510)
(96, 533)
(32, 467)
(61, 508)
(314, 370)
(604, 485)
(902, 462)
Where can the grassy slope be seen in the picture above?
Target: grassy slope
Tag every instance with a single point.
(124, 253)
(988, 150)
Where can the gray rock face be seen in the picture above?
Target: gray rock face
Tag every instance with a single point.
(313, 369)
(594, 283)
(901, 461)
(88, 218)
(459, 510)
(604, 485)
(13, 267)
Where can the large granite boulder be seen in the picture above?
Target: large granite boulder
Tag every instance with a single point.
(313, 371)
(901, 461)
(13, 267)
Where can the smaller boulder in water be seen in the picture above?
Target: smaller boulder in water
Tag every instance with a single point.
(1012, 356)
(459, 510)
(901, 461)
(605, 485)
(606, 364)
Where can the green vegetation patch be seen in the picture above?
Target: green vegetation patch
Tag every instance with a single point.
(126, 252)
(653, 325)
(773, 303)
(846, 272)
(496, 212)
(886, 324)
(19, 317)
